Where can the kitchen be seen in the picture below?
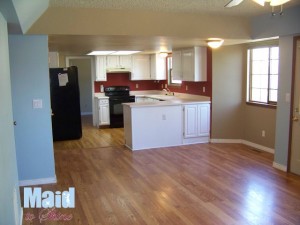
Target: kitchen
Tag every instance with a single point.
(227, 91)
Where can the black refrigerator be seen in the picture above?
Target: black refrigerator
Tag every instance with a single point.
(65, 103)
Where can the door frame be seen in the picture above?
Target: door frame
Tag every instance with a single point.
(295, 40)
(93, 74)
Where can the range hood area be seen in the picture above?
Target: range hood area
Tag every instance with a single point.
(118, 70)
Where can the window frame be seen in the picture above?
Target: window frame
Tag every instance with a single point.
(271, 104)
(169, 73)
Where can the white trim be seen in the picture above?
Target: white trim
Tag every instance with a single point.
(21, 217)
(280, 167)
(49, 180)
(86, 113)
(248, 143)
(227, 141)
(260, 147)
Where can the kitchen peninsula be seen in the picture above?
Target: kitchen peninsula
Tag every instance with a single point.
(166, 121)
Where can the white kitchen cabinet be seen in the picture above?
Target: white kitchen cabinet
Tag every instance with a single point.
(140, 67)
(190, 121)
(176, 65)
(100, 68)
(194, 64)
(118, 61)
(196, 123)
(190, 64)
(158, 67)
(203, 120)
(103, 112)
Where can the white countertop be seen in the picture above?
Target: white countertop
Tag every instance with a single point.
(167, 100)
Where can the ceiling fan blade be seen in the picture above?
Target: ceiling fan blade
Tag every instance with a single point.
(233, 3)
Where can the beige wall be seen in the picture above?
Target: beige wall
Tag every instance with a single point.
(231, 117)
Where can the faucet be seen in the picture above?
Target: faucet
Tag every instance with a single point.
(167, 90)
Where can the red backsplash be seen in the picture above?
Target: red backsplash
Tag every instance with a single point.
(195, 88)
(123, 79)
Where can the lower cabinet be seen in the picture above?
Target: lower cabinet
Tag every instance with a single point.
(196, 123)
(103, 112)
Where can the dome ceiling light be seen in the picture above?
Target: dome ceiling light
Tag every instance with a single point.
(214, 42)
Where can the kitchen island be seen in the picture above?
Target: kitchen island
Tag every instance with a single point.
(169, 121)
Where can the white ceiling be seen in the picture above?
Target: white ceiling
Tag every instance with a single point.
(209, 14)
(247, 8)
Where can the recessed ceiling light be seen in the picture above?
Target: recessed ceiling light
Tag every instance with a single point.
(112, 52)
(100, 52)
(124, 52)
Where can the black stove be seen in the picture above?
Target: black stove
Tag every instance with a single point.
(117, 95)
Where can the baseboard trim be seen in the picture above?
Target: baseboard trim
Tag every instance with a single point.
(86, 113)
(280, 167)
(240, 141)
(226, 141)
(260, 147)
(49, 180)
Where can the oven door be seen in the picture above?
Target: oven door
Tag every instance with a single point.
(116, 110)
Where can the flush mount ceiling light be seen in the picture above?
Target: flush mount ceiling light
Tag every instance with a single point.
(112, 52)
(163, 54)
(214, 42)
(233, 3)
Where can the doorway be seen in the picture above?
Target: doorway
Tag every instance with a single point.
(84, 65)
(295, 142)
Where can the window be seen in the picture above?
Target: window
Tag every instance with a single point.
(263, 75)
(171, 81)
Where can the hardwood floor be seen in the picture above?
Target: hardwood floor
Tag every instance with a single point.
(198, 184)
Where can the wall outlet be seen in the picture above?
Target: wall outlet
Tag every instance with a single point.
(166, 85)
(136, 86)
(203, 89)
(162, 86)
(263, 133)
(164, 117)
(186, 88)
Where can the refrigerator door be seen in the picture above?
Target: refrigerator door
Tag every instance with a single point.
(65, 104)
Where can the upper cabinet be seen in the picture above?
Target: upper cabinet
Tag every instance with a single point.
(100, 68)
(118, 61)
(176, 65)
(158, 67)
(190, 64)
(140, 67)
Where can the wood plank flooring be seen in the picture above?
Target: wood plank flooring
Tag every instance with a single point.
(202, 184)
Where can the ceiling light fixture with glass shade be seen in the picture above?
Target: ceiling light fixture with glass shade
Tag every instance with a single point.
(214, 42)
(273, 3)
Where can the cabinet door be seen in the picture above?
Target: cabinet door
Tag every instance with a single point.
(140, 67)
(104, 114)
(176, 65)
(112, 61)
(188, 65)
(190, 121)
(203, 119)
(101, 68)
(158, 67)
(125, 61)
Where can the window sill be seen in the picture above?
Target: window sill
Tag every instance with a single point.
(264, 105)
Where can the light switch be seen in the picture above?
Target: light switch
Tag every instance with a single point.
(37, 103)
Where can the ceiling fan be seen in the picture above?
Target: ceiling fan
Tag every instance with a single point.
(233, 3)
